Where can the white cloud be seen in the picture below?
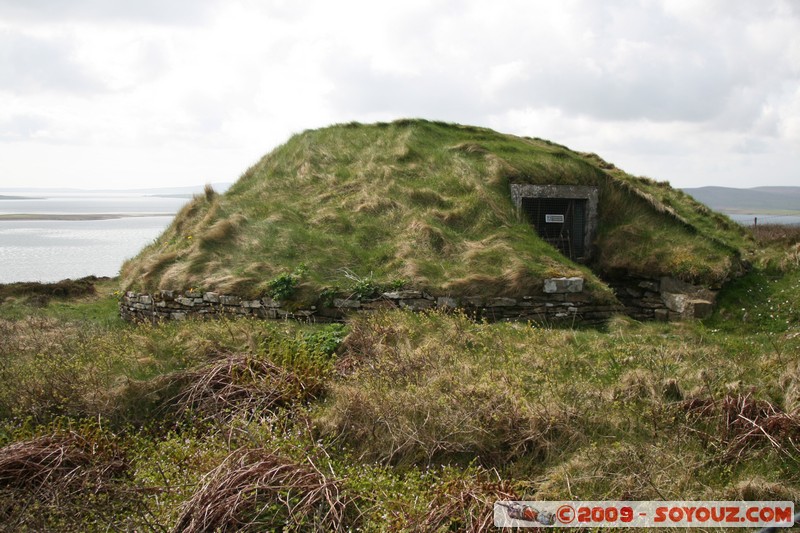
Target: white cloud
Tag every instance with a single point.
(185, 92)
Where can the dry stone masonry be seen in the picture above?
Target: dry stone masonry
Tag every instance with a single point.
(664, 299)
(560, 300)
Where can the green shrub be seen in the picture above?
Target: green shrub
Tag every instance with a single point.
(325, 340)
(283, 287)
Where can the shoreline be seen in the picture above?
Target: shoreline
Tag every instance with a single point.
(78, 217)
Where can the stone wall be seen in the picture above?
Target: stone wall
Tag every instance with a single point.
(560, 300)
(664, 299)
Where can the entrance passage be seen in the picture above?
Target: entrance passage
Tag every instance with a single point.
(559, 221)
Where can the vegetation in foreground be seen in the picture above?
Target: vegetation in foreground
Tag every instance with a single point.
(395, 421)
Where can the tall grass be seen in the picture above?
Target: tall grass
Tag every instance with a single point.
(396, 421)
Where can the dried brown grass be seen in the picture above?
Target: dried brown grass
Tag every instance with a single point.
(425, 197)
(259, 490)
(413, 397)
(209, 192)
(154, 266)
(50, 479)
(765, 234)
(790, 383)
(422, 237)
(238, 383)
(62, 460)
(740, 423)
(465, 504)
(221, 231)
(66, 288)
(469, 148)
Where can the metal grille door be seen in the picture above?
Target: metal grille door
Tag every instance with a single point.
(559, 221)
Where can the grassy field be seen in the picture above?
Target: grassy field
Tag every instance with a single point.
(395, 421)
(424, 205)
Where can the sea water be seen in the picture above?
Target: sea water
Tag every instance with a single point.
(51, 250)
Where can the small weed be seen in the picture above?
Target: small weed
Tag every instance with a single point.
(327, 295)
(327, 339)
(283, 286)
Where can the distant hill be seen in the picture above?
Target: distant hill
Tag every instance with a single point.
(772, 200)
(6, 197)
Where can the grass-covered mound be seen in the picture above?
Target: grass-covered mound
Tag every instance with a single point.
(425, 205)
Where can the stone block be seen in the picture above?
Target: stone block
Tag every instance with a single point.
(330, 312)
(675, 302)
(562, 285)
(652, 286)
(402, 295)
(346, 304)
(673, 285)
(501, 302)
(446, 302)
(578, 297)
(416, 304)
(472, 301)
(373, 305)
(701, 308)
(167, 295)
(211, 297)
(251, 304)
(229, 300)
(662, 315)
(269, 302)
(187, 302)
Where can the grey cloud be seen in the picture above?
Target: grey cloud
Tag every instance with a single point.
(609, 61)
(647, 89)
(361, 89)
(659, 92)
(33, 64)
(172, 12)
(21, 127)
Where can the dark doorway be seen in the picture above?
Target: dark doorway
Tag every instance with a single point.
(559, 221)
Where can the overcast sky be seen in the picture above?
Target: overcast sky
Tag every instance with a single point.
(141, 93)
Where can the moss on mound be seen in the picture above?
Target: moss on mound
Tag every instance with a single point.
(425, 205)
